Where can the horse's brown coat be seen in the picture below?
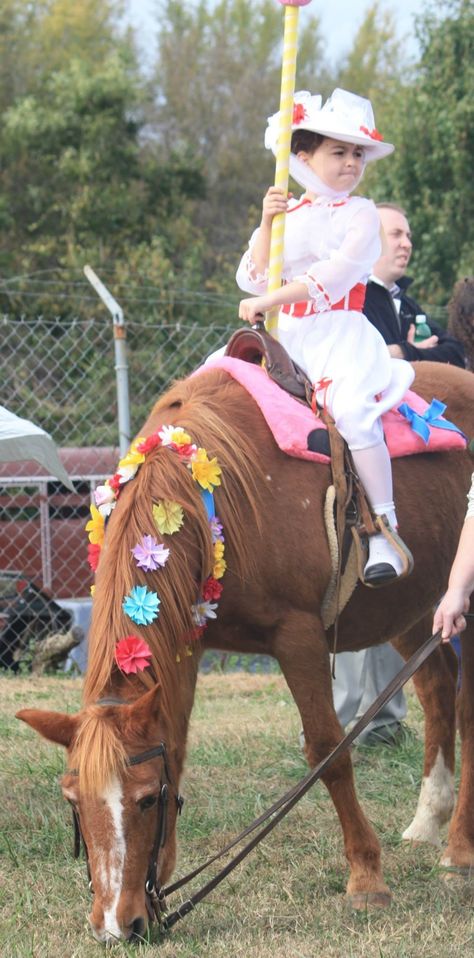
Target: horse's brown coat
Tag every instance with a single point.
(278, 568)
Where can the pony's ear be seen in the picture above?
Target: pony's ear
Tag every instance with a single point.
(57, 727)
(146, 708)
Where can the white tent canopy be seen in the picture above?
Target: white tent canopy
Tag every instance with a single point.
(20, 439)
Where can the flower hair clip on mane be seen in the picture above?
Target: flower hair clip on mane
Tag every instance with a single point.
(142, 605)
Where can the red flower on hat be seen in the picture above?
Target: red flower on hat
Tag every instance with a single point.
(132, 654)
(374, 134)
(299, 113)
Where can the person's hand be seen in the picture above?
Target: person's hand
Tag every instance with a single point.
(427, 343)
(252, 309)
(449, 615)
(275, 201)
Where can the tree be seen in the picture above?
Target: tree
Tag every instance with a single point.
(430, 173)
(217, 78)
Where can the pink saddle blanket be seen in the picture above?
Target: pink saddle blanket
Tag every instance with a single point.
(291, 421)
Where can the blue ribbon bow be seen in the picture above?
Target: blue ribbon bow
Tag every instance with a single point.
(421, 423)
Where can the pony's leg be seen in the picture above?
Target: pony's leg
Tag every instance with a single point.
(435, 684)
(301, 649)
(459, 853)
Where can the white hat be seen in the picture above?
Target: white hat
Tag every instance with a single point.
(345, 116)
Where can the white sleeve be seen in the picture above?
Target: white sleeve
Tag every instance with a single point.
(329, 280)
(247, 276)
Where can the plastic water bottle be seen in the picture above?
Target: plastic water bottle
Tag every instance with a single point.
(422, 330)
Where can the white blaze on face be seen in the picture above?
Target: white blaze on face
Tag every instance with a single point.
(435, 804)
(111, 859)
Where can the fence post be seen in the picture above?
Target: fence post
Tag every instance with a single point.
(121, 363)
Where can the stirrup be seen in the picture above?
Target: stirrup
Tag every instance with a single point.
(382, 573)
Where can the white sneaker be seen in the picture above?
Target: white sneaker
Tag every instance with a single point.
(384, 562)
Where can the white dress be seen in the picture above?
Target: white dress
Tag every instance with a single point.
(331, 246)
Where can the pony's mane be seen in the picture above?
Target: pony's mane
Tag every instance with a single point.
(199, 404)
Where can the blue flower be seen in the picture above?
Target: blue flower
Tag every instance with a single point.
(141, 605)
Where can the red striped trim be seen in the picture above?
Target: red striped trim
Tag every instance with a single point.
(353, 300)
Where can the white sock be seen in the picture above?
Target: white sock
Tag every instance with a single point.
(375, 471)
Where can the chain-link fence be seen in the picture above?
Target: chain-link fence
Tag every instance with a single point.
(59, 373)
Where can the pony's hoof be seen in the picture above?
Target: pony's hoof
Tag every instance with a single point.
(362, 901)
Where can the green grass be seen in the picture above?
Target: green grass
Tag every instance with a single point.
(287, 899)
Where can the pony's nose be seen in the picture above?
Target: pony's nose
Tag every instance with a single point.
(138, 927)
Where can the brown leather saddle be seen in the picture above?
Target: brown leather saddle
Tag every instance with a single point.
(254, 345)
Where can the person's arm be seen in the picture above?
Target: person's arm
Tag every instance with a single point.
(294, 292)
(449, 615)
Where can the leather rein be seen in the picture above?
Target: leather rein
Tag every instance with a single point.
(156, 894)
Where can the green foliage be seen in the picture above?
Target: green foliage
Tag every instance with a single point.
(433, 129)
(215, 105)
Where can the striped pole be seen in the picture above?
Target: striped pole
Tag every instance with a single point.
(288, 72)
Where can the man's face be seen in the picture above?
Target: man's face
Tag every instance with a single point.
(398, 246)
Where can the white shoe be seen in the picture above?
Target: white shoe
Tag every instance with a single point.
(384, 562)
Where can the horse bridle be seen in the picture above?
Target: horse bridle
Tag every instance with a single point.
(154, 896)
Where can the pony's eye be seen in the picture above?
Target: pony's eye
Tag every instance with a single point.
(147, 802)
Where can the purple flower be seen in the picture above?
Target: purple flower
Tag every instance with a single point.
(216, 529)
(150, 554)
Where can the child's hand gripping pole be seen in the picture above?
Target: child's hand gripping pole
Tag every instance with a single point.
(288, 72)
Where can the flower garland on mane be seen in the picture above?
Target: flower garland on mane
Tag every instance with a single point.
(142, 605)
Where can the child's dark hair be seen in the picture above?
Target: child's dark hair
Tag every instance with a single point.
(461, 316)
(305, 140)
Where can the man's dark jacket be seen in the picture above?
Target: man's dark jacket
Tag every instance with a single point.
(381, 310)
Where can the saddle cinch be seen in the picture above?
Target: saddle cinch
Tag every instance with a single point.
(354, 518)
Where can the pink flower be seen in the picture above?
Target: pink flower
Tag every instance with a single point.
(132, 654)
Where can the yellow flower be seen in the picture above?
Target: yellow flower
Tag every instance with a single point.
(132, 457)
(219, 568)
(168, 516)
(218, 550)
(96, 526)
(92, 590)
(180, 437)
(206, 471)
(220, 564)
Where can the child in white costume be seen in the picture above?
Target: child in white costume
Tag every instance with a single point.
(331, 242)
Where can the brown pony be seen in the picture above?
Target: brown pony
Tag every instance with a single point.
(278, 568)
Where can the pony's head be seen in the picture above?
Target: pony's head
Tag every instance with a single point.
(121, 782)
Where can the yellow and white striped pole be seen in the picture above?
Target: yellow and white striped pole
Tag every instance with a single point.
(288, 73)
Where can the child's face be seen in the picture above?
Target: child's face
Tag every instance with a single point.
(339, 165)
